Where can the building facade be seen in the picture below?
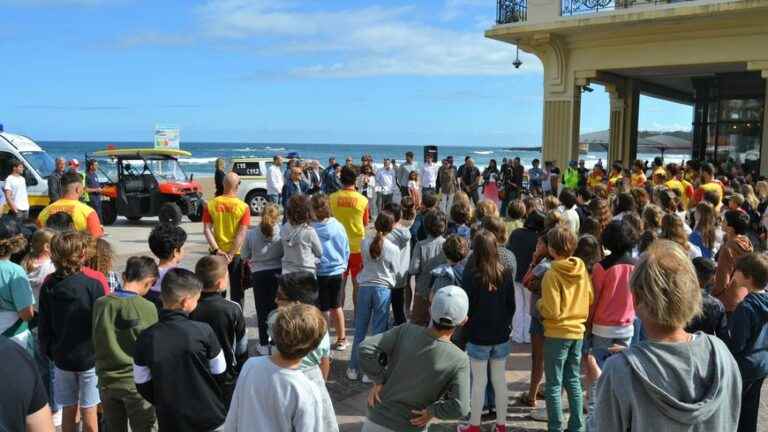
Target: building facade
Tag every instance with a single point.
(712, 55)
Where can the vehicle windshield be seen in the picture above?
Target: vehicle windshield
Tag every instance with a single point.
(41, 161)
(163, 169)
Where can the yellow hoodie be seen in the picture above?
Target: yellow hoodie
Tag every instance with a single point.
(566, 295)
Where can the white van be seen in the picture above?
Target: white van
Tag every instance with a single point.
(37, 163)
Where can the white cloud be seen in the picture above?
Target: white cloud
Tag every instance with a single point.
(368, 41)
(672, 127)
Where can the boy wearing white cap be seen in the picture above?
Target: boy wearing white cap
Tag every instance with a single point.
(417, 372)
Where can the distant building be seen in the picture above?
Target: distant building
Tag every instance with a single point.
(710, 54)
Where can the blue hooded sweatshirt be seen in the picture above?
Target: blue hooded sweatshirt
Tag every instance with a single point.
(335, 247)
(748, 336)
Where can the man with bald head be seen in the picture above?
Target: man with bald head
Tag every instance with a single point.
(226, 219)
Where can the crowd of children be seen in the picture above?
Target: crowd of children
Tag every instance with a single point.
(644, 301)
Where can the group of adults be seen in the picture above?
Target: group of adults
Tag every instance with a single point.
(70, 191)
(381, 185)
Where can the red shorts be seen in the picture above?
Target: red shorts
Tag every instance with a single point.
(354, 265)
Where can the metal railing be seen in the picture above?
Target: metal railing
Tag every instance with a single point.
(512, 11)
(581, 7)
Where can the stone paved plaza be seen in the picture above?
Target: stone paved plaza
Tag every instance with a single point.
(349, 397)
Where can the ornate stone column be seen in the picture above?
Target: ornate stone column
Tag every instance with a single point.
(562, 100)
(625, 101)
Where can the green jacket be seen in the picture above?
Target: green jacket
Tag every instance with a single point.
(118, 319)
(571, 178)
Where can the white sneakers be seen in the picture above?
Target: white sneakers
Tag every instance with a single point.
(354, 374)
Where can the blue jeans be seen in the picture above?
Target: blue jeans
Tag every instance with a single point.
(562, 366)
(76, 388)
(274, 198)
(372, 308)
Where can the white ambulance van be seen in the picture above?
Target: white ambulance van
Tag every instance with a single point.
(37, 163)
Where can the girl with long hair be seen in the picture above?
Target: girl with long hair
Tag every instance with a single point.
(301, 246)
(333, 263)
(263, 251)
(672, 229)
(37, 263)
(490, 289)
(706, 235)
(377, 279)
(414, 190)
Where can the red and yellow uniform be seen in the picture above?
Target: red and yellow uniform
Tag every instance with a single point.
(83, 216)
(714, 186)
(351, 209)
(638, 179)
(226, 214)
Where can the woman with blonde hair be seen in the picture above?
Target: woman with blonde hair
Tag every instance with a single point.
(263, 251)
(695, 380)
(706, 234)
(672, 229)
(749, 196)
(101, 260)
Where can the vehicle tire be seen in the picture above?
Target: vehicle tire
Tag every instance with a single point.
(256, 201)
(197, 216)
(133, 218)
(170, 213)
(108, 213)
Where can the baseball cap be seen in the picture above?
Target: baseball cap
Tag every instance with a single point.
(74, 162)
(449, 306)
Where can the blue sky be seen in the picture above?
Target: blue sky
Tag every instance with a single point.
(342, 71)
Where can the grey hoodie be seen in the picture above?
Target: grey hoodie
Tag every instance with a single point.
(401, 237)
(301, 248)
(670, 387)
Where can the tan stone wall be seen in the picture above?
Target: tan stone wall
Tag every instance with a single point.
(574, 50)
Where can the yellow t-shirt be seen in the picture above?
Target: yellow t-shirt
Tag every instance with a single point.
(226, 214)
(594, 180)
(677, 187)
(638, 180)
(83, 216)
(615, 180)
(350, 208)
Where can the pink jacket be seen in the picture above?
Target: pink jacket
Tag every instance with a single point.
(613, 304)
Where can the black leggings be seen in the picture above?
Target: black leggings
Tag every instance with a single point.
(397, 298)
(264, 291)
(236, 284)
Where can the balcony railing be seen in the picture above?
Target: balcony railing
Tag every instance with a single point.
(581, 7)
(512, 11)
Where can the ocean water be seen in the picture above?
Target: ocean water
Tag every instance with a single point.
(204, 154)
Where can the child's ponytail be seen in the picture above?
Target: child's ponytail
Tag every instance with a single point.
(384, 224)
